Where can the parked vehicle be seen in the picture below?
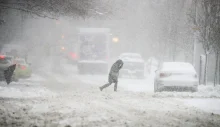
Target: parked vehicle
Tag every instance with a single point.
(176, 76)
(23, 69)
(134, 65)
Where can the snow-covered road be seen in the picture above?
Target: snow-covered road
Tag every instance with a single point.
(69, 99)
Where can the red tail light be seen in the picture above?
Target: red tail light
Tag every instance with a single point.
(23, 67)
(2, 57)
(162, 75)
(73, 55)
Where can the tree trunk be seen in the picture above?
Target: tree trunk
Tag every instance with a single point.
(219, 69)
(206, 69)
(216, 70)
(200, 71)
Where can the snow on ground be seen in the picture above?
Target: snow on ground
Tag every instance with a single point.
(62, 99)
(24, 89)
(134, 85)
(146, 85)
(34, 78)
(91, 108)
(208, 91)
(208, 105)
(11, 92)
(203, 96)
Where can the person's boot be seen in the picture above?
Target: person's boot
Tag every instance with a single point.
(115, 87)
(100, 88)
(104, 86)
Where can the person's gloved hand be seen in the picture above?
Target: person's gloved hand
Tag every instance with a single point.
(120, 66)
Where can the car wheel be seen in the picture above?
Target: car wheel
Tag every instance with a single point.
(15, 79)
(194, 89)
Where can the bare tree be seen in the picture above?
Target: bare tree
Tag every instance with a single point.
(171, 17)
(53, 8)
(207, 23)
(215, 35)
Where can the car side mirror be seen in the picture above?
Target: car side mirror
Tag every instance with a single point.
(29, 64)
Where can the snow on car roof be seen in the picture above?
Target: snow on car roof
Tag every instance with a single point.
(20, 60)
(9, 56)
(92, 61)
(178, 67)
(131, 57)
(130, 54)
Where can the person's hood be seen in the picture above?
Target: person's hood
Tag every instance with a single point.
(119, 63)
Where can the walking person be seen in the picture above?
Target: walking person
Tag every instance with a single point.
(113, 75)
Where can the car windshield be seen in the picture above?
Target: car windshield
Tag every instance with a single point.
(5, 60)
(20, 61)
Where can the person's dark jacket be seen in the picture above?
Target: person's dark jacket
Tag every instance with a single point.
(114, 72)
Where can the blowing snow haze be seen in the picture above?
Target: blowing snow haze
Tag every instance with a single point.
(56, 54)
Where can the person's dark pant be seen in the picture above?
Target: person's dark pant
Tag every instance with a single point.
(108, 84)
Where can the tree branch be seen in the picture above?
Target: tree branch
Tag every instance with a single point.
(26, 10)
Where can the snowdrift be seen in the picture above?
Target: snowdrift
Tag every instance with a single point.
(208, 91)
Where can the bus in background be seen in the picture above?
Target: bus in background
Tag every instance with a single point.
(93, 50)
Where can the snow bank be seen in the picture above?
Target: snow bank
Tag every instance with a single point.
(207, 105)
(203, 92)
(24, 92)
(33, 78)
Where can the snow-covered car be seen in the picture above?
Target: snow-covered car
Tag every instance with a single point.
(176, 76)
(23, 69)
(134, 65)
